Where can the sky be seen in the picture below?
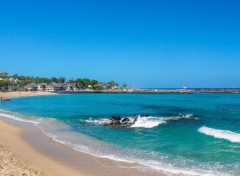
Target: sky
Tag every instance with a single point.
(150, 43)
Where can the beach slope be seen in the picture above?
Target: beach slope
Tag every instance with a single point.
(25, 160)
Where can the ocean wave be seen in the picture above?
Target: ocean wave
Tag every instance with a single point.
(221, 134)
(86, 144)
(93, 147)
(147, 122)
(144, 121)
(13, 117)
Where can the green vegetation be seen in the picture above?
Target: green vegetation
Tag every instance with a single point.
(18, 82)
(124, 85)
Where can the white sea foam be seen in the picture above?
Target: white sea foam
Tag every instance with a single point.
(145, 121)
(100, 121)
(13, 117)
(104, 151)
(152, 121)
(81, 143)
(221, 134)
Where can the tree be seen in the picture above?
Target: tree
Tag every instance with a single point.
(54, 79)
(44, 80)
(61, 80)
(3, 85)
(124, 85)
(79, 80)
(111, 84)
(72, 81)
(94, 82)
(86, 82)
(23, 83)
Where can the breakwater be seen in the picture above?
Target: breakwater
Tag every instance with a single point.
(155, 91)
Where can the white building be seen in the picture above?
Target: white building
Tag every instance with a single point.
(12, 80)
(69, 87)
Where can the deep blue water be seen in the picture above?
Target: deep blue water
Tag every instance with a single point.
(188, 133)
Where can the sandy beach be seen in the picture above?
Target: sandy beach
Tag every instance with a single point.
(19, 158)
(25, 150)
(24, 94)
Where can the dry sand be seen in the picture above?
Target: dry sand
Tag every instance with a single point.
(10, 164)
(25, 160)
(24, 94)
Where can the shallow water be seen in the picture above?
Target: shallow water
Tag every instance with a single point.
(191, 134)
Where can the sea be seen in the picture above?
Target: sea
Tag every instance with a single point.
(188, 134)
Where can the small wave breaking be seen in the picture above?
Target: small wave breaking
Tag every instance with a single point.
(13, 117)
(147, 122)
(144, 121)
(221, 134)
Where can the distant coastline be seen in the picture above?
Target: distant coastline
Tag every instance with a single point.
(19, 94)
(28, 86)
(156, 91)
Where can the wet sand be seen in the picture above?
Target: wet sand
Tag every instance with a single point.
(38, 154)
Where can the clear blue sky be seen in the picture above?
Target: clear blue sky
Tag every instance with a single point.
(151, 43)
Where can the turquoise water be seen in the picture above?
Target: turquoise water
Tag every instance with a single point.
(196, 134)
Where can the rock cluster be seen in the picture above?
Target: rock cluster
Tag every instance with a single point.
(120, 122)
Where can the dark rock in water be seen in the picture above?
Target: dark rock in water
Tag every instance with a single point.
(116, 118)
(120, 122)
(125, 120)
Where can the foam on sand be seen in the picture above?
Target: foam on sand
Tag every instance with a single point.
(221, 134)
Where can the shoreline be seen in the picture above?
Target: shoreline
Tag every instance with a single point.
(52, 158)
(24, 94)
(12, 140)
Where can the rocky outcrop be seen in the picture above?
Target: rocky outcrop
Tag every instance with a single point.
(120, 122)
